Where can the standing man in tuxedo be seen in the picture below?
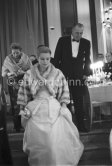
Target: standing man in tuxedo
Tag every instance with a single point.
(72, 56)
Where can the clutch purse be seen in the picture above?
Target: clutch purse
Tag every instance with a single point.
(25, 113)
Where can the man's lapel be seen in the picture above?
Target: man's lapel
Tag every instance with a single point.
(70, 46)
(80, 47)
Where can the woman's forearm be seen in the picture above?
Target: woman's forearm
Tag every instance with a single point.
(63, 104)
(22, 107)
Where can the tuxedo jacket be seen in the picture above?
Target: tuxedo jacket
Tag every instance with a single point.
(70, 66)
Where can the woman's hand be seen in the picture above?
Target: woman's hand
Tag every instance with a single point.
(25, 113)
(20, 71)
(64, 105)
(64, 111)
(10, 74)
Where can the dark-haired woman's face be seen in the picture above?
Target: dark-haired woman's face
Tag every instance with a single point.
(16, 53)
(44, 59)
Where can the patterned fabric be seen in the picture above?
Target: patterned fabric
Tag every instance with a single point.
(52, 78)
(50, 137)
(11, 66)
(15, 69)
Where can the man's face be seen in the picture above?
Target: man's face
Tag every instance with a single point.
(16, 53)
(100, 57)
(108, 57)
(77, 32)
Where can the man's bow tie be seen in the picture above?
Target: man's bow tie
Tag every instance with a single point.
(73, 40)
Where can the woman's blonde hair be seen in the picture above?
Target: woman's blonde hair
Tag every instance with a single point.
(43, 49)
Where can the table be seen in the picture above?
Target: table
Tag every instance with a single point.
(99, 94)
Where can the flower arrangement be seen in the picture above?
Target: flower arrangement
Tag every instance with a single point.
(99, 78)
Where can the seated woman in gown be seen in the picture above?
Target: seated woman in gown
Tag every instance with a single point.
(108, 64)
(14, 67)
(50, 137)
(107, 107)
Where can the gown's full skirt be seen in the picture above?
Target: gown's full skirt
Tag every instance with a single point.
(110, 142)
(50, 137)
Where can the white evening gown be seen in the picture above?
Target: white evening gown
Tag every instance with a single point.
(110, 142)
(50, 137)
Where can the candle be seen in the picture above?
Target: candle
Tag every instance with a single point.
(93, 70)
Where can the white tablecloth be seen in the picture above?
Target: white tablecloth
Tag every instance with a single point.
(101, 93)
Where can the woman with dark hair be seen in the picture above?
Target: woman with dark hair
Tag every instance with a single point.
(5, 154)
(50, 138)
(33, 59)
(14, 67)
(108, 64)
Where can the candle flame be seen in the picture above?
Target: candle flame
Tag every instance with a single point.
(96, 65)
